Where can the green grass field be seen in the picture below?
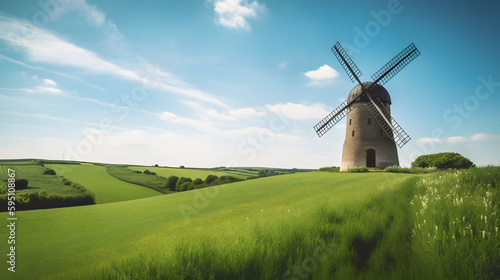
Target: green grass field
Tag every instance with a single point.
(79, 239)
(311, 225)
(36, 180)
(106, 188)
(187, 172)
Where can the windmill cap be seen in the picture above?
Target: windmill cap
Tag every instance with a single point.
(375, 91)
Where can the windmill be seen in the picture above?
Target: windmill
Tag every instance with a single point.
(369, 143)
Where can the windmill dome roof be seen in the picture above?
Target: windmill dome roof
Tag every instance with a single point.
(375, 91)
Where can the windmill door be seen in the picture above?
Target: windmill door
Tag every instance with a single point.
(370, 158)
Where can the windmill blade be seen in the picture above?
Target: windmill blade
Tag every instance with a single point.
(331, 119)
(349, 66)
(395, 65)
(391, 128)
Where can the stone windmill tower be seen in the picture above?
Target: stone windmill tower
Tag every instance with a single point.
(371, 132)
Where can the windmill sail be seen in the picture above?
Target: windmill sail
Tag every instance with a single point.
(388, 124)
(395, 65)
(349, 66)
(331, 119)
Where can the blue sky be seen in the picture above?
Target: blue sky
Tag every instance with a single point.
(239, 83)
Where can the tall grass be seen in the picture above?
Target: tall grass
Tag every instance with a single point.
(441, 226)
(455, 235)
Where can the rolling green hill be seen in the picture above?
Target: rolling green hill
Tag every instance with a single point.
(187, 172)
(67, 242)
(106, 188)
(311, 225)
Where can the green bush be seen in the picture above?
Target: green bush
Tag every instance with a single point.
(21, 184)
(171, 183)
(398, 169)
(330, 169)
(210, 178)
(184, 186)
(147, 172)
(198, 181)
(443, 161)
(49, 171)
(181, 181)
(358, 169)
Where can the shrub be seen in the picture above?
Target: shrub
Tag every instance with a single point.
(184, 186)
(442, 161)
(49, 171)
(398, 169)
(181, 181)
(152, 173)
(21, 184)
(330, 169)
(358, 169)
(147, 172)
(197, 181)
(210, 178)
(137, 171)
(171, 183)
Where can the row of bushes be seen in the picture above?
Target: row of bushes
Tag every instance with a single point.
(177, 184)
(43, 199)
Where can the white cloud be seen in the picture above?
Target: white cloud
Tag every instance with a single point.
(324, 75)
(49, 82)
(42, 46)
(299, 111)
(429, 140)
(456, 139)
(194, 123)
(283, 65)
(233, 13)
(245, 113)
(461, 139)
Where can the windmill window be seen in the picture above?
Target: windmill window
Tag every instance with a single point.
(349, 121)
(353, 133)
(369, 120)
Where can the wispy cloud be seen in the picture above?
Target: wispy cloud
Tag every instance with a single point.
(66, 75)
(461, 139)
(322, 76)
(299, 111)
(233, 13)
(201, 125)
(44, 47)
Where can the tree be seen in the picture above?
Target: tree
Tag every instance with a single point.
(183, 180)
(181, 167)
(184, 186)
(198, 181)
(147, 172)
(171, 183)
(49, 171)
(156, 165)
(442, 161)
(210, 178)
(21, 184)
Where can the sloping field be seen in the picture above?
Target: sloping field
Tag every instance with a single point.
(67, 243)
(187, 172)
(96, 179)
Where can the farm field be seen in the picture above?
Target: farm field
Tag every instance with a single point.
(187, 172)
(37, 181)
(311, 225)
(106, 188)
(76, 239)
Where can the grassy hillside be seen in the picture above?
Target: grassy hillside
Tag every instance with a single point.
(106, 188)
(74, 240)
(186, 172)
(302, 226)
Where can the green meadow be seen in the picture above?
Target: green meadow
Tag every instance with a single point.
(96, 179)
(187, 172)
(313, 225)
